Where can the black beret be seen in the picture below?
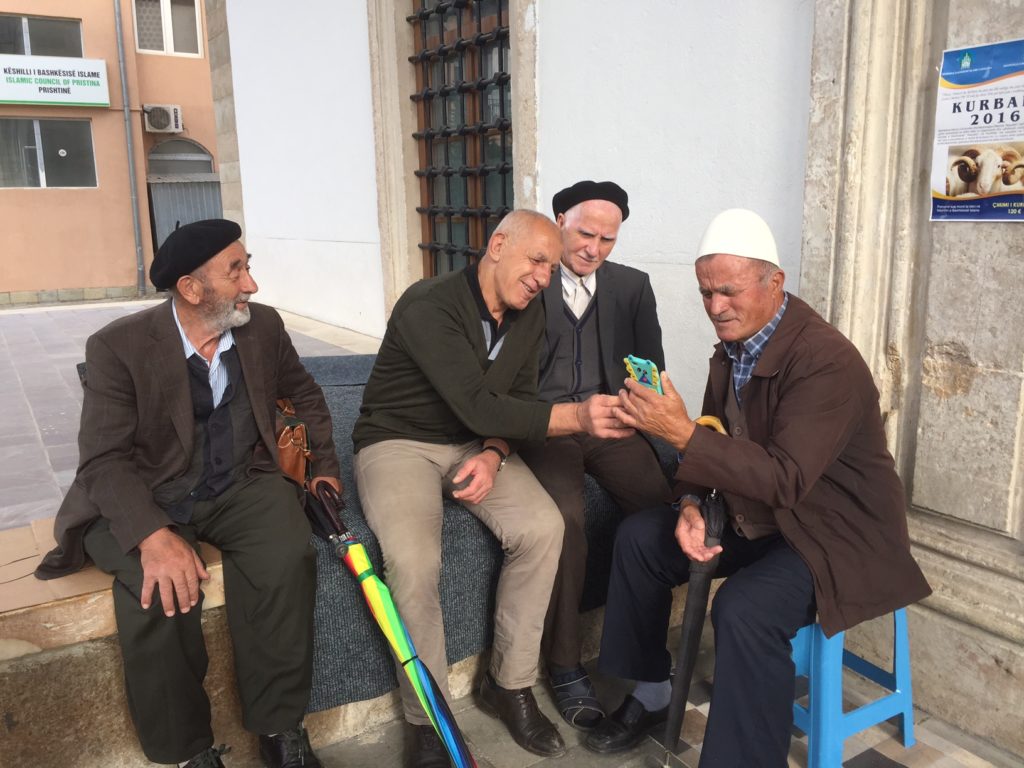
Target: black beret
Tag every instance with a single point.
(582, 191)
(189, 247)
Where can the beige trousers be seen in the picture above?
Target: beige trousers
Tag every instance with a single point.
(400, 485)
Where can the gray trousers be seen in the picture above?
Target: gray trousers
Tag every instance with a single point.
(400, 484)
(269, 588)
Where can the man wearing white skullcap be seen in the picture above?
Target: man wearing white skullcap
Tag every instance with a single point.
(816, 512)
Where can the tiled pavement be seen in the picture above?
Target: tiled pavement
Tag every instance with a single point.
(39, 349)
(938, 744)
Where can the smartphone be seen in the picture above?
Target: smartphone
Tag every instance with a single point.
(643, 371)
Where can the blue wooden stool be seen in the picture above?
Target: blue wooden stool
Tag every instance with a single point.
(821, 660)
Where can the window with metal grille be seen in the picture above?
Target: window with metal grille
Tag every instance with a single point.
(465, 127)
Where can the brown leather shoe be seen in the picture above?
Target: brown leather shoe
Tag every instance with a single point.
(517, 709)
(423, 748)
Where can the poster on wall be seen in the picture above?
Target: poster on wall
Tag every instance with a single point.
(978, 156)
(53, 80)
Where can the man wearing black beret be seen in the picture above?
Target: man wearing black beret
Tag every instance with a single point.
(596, 313)
(177, 446)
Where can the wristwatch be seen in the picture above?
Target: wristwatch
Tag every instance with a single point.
(501, 454)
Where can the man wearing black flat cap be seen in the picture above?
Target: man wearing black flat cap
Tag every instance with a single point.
(177, 446)
(596, 313)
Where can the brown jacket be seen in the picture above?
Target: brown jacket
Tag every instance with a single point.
(138, 425)
(817, 459)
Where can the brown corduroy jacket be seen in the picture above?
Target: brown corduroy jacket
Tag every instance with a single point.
(138, 426)
(816, 459)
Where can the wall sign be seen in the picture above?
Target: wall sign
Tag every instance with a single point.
(53, 80)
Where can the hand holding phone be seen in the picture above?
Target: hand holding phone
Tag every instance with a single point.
(643, 371)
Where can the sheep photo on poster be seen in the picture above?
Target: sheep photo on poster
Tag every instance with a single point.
(978, 155)
(985, 169)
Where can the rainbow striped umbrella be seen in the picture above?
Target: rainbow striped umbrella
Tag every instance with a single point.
(323, 511)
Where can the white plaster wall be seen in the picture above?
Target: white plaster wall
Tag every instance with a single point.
(306, 153)
(692, 107)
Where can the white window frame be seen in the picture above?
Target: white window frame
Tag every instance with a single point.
(41, 165)
(27, 39)
(168, 31)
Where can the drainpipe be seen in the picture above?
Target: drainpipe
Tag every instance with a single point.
(140, 264)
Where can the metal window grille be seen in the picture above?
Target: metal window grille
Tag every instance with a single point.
(465, 127)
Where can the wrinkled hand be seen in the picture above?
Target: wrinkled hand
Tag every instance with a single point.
(334, 482)
(170, 564)
(482, 468)
(664, 415)
(690, 535)
(597, 416)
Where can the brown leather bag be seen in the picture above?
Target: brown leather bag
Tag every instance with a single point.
(293, 454)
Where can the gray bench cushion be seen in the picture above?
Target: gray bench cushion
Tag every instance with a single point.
(351, 658)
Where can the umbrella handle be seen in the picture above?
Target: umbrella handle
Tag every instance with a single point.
(711, 422)
(326, 507)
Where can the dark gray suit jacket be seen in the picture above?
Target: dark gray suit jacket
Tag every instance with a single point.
(627, 317)
(137, 424)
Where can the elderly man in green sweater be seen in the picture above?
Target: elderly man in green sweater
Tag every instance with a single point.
(453, 391)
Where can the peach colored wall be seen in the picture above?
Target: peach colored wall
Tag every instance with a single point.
(180, 80)
(80, 238)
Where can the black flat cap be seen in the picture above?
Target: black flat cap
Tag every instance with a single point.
(188, 248)
(582, 191)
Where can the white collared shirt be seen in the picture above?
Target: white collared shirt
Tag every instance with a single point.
(569, 282)
(218, 375)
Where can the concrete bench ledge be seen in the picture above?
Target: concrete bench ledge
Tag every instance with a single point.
(43, 615)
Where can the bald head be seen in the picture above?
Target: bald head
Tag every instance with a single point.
(521, 255)
(521, 222)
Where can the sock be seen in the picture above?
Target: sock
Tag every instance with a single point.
(554, 670)
(653, 696)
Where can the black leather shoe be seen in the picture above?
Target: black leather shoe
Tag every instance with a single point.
(423, 748)
(208, 758)
(624, 728)
(288, 749)
(517, 709)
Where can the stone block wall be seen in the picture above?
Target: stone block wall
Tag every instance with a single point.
(935, 309)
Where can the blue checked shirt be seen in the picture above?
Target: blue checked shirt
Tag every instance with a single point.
(745, 354)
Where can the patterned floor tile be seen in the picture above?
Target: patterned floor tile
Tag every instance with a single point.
(871, 759)
(920, 755)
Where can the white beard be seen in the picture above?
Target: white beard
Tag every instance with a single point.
(225, 315)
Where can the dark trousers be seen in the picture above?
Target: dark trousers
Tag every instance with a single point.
(269, 585)
(767, 597)
(628, 469)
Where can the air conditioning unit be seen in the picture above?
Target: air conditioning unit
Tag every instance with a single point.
(162, 118)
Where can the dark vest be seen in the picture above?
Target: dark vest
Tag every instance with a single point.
(749, 518)
(223, 440)
(575, 368)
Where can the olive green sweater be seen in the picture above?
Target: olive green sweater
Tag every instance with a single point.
(432, 380)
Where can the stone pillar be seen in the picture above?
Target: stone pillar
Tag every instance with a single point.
(936, 311)
(523, 43)
(393, 81)
(219, 50)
